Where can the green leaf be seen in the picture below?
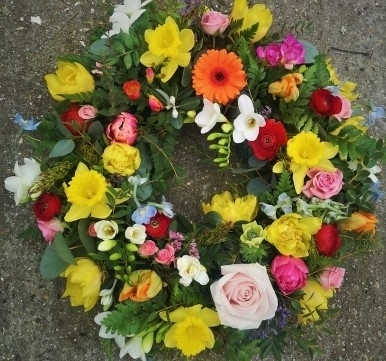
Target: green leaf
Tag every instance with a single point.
(62, 248)
(101, 47)
(61, 148)
(87, 241)
(311, 51)
(213, 218)
(51, 265)
(96, 130)
(257, 186)
(128, 60)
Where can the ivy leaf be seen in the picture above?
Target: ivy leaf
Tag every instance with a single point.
(61, 148)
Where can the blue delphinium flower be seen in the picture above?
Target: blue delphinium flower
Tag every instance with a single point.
(376, 193)
(375, 113)
(29, 124)
(143, 214)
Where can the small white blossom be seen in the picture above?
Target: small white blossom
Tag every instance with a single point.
(191, 269)
(136, 233)
(106, 229)
(209, 116)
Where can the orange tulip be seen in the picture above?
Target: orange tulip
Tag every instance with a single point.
(360, 222)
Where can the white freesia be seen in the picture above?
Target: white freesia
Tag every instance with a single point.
(133, 347)
(353, 165)
(248, 123)
(25, 176)
(136, 233)
(107, 296)
(119, 339)
(191, 269)
(106, 229)
(209, 116)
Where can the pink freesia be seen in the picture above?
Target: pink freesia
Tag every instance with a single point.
(165, 256)
(346, 110)
(290, 273)
(292, 51)
(244, 296)
(323, 184)
(123, 129)
(214, 23)
(332, 277)
(270, 53)
(147, 249)
(49, 228)
(87, 112)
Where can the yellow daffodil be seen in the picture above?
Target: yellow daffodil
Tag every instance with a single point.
(291, 234)
(315, 298)
(191, 331)
(307, 151)
(346, 89)
(168, 46)
(86, 193)
(230, 209)
(258, 13)
(83, 283)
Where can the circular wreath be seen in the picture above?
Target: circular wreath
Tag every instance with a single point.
(268, 256)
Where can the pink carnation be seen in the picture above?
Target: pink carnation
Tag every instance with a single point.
(332, 277)
(49, 228)
(147, 249)
(165, 256)
(323, 184)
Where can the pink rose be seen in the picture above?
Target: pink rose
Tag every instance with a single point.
(165, 256)
(155, 104)
(214, 23)
(332, 277)
(270, 53)
(49, 228)
(290, 273)
(147, 249)
(323, 184)
(123, 129)
(346, 110)
(87, 112)
(244, 296)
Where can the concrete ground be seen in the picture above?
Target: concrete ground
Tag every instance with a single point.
(35, 323)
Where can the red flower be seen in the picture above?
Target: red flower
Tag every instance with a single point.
(158, 226)
(327, 240)
(271, 137)
(325, 103)
(47, 206)
(132, 88)
(73, 121)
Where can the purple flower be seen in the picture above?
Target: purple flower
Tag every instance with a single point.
(292, 51)
(143, 214)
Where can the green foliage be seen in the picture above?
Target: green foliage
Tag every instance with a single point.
(254, 254)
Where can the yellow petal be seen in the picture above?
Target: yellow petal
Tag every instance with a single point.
(278, 167)
(298, 178)
(168, 70)
(77, 212)
(187, 39)
(100, 210)
(150, 60)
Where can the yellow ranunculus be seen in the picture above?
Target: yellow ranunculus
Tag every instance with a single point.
(286, 88)
(258, 13)
(70, 78)
(121, 158)
(314, 298)
(291, 234)
(191, 331)
(142, 285)
(232, 210)
(83, 283)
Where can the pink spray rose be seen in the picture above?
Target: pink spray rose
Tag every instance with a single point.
(290, 273)
(214, 23)
(323, 184)
(332, 277)
(123, 129)
(165, 256)
(346, 110)
(49, 228)
(147, 249)
(87, 112)
(244, 296)
(155, 104)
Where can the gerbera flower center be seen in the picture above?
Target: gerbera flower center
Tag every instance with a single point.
(219, 77)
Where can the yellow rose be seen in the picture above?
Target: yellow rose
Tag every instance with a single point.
(232, 210)
(70, 78)
(314, 298)
(291, 234)
(142, 285)
(121, 158)
(83, 283)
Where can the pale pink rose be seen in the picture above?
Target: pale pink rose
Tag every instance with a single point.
(346, 109)
(214, 23)
(290, 273)
(147, 249)
(244, 296)
(323, 184)
(49, 228)
(332, 277)
(87, 112)
(123, 129)
(165, 255)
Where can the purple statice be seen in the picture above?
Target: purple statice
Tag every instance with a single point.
(143, 214)
(376, 193)
(190, 5)
(29, 124)
(193, 251)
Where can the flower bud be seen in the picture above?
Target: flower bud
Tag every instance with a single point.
(106, 245)
(191, 113)
(226, 127)
(147, 342)
(115, 256)
(131, 247)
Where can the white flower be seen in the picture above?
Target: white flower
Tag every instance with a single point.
(134, 348)
(248, 123)
(209, 116)
(119, 339)
(269, 210)
(136, 233)
(166, 208)
(285, 203)
(106, 229)
(107, 296)
(191, 269)
(25, 176)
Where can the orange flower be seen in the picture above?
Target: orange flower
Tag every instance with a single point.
(219, 76)
(360, 222)
(286, 88)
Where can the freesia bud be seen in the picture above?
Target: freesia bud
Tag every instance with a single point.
(147, 342)
(107, 245)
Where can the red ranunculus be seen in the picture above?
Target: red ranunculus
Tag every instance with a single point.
(158, 226)
(132, 88)
(271, 137)
(327, 240)
(325, 103)
(73, 121)
(47, 206)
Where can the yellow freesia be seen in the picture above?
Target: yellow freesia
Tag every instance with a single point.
(291, 234)
(191, 331)
(307, 151)
(232, 210)
(168, 46)
(83, 283)
(258, 13)
(70, 78)
(315, 298)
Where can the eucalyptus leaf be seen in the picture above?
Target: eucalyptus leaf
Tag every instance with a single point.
(61, 148)
(62, 248)
(311, 51)
(257, 186)
(101, 47)
(96, 130)
(87, 241)
(51, 265)
(213, 218)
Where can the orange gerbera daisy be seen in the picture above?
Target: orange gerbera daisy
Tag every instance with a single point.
(218, 76)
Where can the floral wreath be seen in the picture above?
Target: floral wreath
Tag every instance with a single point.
(267, 258)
